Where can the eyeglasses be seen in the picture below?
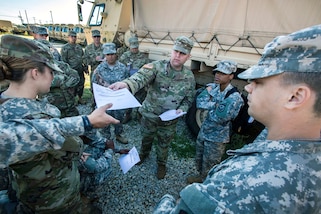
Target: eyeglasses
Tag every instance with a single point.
(96, 36)
(73, 36)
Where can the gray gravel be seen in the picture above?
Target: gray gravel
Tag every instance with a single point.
(139, 190)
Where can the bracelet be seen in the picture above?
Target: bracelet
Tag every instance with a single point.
(87, 124)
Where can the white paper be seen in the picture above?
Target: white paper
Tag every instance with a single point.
(170, 115)
(127, 161)
(121, 99)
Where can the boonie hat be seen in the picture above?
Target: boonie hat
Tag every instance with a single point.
(133, 42)
(226, 67)
(40, 30)
(183, 44)
(95, 33)
(109, 48)
(297, 52)
(23, 48)
(72, 33)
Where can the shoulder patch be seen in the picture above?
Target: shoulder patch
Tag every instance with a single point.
(148, 66)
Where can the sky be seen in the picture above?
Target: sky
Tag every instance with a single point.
(38, 11)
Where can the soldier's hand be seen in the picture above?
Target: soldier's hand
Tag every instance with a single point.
(124, 151)
(118, 85)
(99, 118)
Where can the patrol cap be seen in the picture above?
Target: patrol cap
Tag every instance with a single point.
(226, 67)
(72, 33)
(109, 48)
(95, 33)
(133, 42)
(40, 30)
(297, 52)
(183, 44)
(15, 46)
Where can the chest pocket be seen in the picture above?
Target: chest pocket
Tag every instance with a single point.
(222, 108)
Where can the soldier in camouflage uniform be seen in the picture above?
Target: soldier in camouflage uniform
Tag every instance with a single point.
(107, 73)
(63, 86)
(279, 173)
(215, 130)
(171, 85)
(94, 53)
(72, 54)
(134, 60)
(38, 174)
(40, 33)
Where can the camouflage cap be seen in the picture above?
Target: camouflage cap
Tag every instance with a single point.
(15, 46)
(183, 44)
(226, 67)
(133, 42)
(40, 30)
(72, 33)
(109, 48)
(297, 52)
(95, 33)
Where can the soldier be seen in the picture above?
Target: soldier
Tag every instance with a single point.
(63, 87)
(215, 130)
(72, 54)
(134, 60)
(40, 32)
(279, 173)
(107, 73)
(44, 172)
(94, 53)
(171, 85)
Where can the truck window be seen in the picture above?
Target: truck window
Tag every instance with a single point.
(96, 18)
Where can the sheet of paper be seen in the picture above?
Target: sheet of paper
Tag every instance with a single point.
(127, 161)
(121, 99)
(170, 115)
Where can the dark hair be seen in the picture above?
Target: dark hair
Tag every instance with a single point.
(312, 79)
(14, 69)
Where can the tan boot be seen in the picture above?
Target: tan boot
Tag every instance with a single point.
(161, 171)
(121, 139)
(195, 179)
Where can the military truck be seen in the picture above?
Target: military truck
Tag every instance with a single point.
(221, 29)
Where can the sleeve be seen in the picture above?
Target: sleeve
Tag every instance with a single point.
(101, 164)
(64, 54)
(204, 100)
(23, 139)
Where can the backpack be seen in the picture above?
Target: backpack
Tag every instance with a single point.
(244, 124)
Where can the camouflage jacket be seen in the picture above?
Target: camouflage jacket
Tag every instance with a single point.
(221, 111)
(37, 167)
(62, 90)
(91, 52)
(133, 60)
(73, 55)
(104, 75)
(167, 89)
(262, 177)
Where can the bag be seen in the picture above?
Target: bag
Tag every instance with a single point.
(244, 124)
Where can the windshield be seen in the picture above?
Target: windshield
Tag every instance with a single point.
(96, 18)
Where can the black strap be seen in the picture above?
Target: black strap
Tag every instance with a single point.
(233, 90)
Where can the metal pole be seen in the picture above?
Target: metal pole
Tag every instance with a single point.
(51, 17)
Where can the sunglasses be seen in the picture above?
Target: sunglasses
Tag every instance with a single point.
(96, 36)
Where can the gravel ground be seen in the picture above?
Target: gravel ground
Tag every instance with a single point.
(139, 190)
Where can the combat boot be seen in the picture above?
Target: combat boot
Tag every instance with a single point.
(121, 139)
(161, 171)
(142, 159)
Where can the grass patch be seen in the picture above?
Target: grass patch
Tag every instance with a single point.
(183, 147)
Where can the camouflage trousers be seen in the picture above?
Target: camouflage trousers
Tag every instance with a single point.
(164, 131)
(118, 128)
(81, 84)
(208, 154)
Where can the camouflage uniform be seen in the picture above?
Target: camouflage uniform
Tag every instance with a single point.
(62, 90)
(215, 130)
(73, 55)
(168, 89)
(134, 61)
(91, 52)
(105, 76)
(97, 167)
(267, 176)
(48, 168)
